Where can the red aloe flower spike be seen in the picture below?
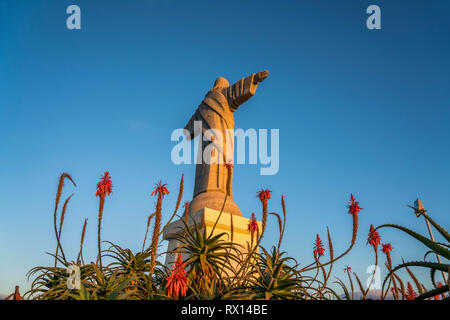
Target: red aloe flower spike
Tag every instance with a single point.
(252, 224)
(410, 293)
(354, 209)
(374, 238)
(160, 189)
(318, 248)
(353, 206)
(104, 186)
(253, 227)
(387, 248)
(264, 194)
(177, 281)
(348, 269)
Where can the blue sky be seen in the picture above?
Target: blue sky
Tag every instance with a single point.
(362, 111)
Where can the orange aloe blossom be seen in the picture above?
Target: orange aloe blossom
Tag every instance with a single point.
(319, 250)
(410, 293)
(387, 248)
(252, 224)
(374, 238)
(177, 281)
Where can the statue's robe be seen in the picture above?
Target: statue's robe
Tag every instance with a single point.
(216, 112)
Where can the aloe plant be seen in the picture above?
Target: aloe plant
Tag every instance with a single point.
(216, 268)
(210, 256)
(441, 249)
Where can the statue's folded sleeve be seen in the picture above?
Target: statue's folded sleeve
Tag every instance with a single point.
(240, 92)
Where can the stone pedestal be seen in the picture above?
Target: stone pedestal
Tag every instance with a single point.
(214, 200)
(207, 217)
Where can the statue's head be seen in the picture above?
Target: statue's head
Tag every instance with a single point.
(221, 82)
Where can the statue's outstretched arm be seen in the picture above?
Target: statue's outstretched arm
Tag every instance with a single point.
(244, 89)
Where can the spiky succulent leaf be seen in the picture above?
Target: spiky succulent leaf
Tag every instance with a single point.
(433, 292)
(429, 243)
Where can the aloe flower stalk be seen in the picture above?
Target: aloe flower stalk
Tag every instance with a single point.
(58, 197)
(354, 209)
(229, 167)
(387, 248)
(104, 188)
(149, 221)
(186, 211)
(374, 240)
(264, 196)
(80, 253)
(15, 296)
(252, 228)
(348, 271)
(160, 191)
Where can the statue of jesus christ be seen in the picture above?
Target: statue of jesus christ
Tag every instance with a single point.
(216, 112)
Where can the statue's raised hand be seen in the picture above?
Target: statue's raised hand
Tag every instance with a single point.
(260, 76)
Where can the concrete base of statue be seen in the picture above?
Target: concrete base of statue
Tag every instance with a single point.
(206, 218)
(214, 200)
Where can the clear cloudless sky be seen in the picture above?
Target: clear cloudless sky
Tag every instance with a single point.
(359, 111)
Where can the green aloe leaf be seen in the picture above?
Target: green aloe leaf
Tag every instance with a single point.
(438, 227)
(433, 292)
(429, 243)
(122, 285)
(433, 265)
